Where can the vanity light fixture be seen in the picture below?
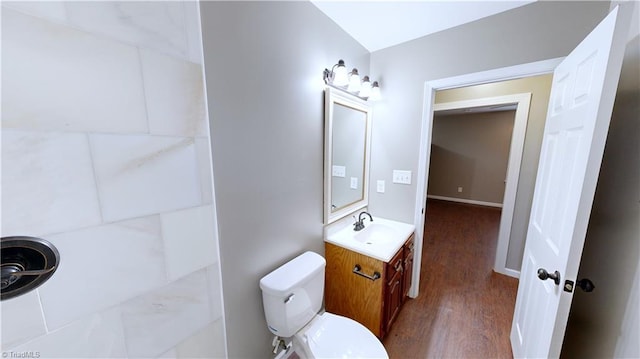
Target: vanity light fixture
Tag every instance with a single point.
(339, 78)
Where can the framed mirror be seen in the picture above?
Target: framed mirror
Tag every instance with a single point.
(347, 139)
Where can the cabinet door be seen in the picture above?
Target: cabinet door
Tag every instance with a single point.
(351, 295)
(393, 300)
(393, 289)
(408, 268)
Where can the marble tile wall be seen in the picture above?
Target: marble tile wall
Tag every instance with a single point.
(106, 154)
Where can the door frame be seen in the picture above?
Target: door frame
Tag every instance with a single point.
(430, 88)
(516, 147)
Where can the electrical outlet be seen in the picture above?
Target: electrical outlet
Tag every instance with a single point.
(403, 177)
(354, 182)
(380, 186)
(459, 189)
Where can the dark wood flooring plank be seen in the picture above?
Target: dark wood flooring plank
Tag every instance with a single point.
(464, 309)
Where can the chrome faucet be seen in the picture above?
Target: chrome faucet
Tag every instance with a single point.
(359, 225)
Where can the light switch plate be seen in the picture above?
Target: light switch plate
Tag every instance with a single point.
(338, 171)
(380, 186)
(354, 182)
(402, 177)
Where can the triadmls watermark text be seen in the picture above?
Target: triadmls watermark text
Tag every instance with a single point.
(25, 354)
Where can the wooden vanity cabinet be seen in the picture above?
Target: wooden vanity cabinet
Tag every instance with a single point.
(373, 303)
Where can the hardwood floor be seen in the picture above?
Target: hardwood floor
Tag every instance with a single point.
(464, 309)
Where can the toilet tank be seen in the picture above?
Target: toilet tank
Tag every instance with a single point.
(292, 294)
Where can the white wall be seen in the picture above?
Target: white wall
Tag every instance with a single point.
(264, 62)
(105, 153)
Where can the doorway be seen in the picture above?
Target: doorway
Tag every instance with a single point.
(520, 103)
(453, 89)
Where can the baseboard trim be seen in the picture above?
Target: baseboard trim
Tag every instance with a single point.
(509, 272)
(468, 201)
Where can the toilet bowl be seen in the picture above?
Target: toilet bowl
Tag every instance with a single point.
(334, 336)
(292, 299)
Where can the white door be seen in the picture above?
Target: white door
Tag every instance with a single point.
(580, 106)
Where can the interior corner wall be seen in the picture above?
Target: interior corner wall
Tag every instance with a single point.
(605, 322)
(530, 33)
(263, 64)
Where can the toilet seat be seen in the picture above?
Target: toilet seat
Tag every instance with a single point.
(335, 336)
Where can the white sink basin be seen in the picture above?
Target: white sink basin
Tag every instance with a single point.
(375, 233)
(379, 239)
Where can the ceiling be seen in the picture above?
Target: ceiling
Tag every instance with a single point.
(380, 24)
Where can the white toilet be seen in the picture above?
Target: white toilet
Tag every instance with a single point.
(292, 298)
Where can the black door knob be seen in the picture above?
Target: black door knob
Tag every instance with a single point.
(586, 285)
(544, 275)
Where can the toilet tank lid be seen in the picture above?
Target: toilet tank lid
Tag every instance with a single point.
(292, 274)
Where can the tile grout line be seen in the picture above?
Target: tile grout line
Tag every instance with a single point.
(144, 89)
(95, 178)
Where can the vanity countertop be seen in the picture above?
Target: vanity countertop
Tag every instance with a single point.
(380, 238)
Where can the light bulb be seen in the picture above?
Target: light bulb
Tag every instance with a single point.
(354, 81)
(375, 92)
(365, 88)
(340, 75)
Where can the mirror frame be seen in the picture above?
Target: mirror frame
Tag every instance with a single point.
(331, 97)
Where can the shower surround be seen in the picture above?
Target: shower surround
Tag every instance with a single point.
(106, 154)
